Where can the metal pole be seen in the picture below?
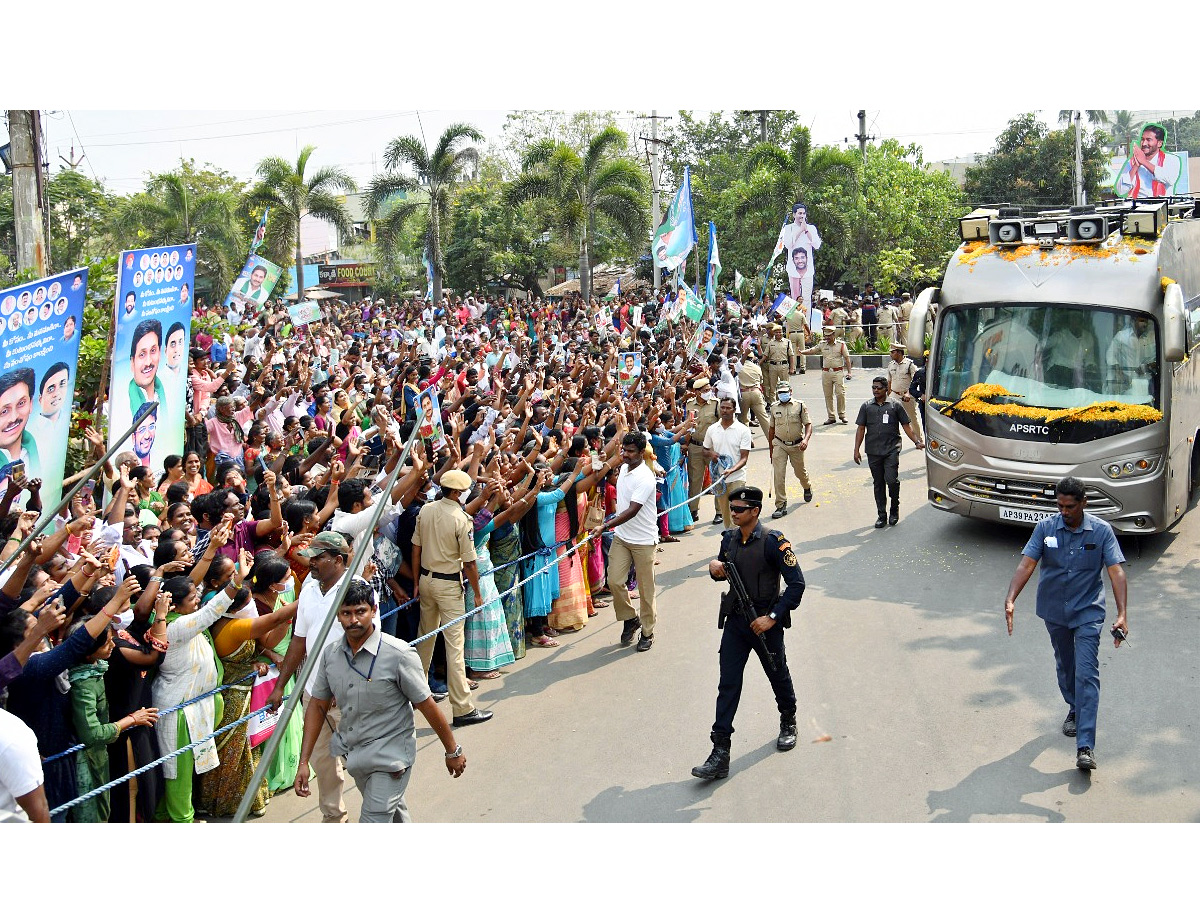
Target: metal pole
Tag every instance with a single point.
(317, 642)
(1079, 200)
(62, 504)
(655, 203)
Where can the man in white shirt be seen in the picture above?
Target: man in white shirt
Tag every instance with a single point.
(635, 541)
(727, 443)
(22, 795)
(328, 555)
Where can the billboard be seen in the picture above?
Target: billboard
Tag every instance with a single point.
(150, 349)
(40, 326)
(1149, 171)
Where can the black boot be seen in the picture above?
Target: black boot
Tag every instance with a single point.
(894, 516)
(787, 732)
(717, 764)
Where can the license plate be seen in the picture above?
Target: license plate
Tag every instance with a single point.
(1033, 516)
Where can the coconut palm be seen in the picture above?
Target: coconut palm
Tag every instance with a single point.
(582, 189)
(1093, 116)
(170, 211)
(1123, 128)
(776, 177)
(417, 181)
(292, 194)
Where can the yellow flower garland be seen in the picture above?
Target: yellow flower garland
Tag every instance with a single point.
(979, 400)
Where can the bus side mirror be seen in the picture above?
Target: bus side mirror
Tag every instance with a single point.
(916, 322)
(1174, 324)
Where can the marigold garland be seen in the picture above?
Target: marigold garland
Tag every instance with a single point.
(979, 399)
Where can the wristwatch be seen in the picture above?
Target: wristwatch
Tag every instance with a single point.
(771, 616)
(458, 751)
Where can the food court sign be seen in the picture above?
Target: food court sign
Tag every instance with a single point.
(346, 274)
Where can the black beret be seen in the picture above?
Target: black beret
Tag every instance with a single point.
(751, 495)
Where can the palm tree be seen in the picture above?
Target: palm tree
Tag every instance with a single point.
(433, 175)
(170, 211)
(292, 196)
(776, 177)
(1093, 116)
(1123, 128)
(581, 188)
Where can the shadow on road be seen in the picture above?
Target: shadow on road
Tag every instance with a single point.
(999, 788)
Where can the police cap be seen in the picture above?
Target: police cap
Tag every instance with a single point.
(751, 495)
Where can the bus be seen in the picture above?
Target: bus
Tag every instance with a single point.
(1064, 343)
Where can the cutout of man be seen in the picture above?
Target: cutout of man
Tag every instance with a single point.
(1150, 171)
(800, 233)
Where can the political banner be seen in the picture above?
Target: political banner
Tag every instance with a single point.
(254, 285)
(150, 350)
(706, 341)
(676, 236)
(629, 370)
(431, 426)
(305, 313)
(693, 307)
(783, 306)
(1149, 171)
(40, 326)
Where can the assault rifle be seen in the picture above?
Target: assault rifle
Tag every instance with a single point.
(742, 605)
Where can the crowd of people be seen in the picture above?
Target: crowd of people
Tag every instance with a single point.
(164, 606)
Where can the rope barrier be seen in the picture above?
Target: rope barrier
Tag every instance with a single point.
(96, 792)
(161, 713)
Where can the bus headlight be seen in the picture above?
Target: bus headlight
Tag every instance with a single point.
(1129, 468)
(944, 450)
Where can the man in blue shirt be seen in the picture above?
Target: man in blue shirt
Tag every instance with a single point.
(1074, 546)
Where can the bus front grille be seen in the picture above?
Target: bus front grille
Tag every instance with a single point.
(1025, 493)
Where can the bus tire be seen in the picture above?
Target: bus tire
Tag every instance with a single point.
(1194, 474)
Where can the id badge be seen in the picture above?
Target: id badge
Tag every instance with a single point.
(885, 418)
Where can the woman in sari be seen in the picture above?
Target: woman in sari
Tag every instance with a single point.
(574, 603)
(541, 567)
(666, 447)
(505, 549)
(236, 635)
(487, 642)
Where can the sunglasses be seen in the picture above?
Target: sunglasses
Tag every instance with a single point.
(740, 509)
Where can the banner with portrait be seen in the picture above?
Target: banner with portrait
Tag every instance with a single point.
(431, 425)
(40, 326)
(150, 350)
(1149, 170)
(254, 285)
(705, 341)
(305, 313)
(628, 370)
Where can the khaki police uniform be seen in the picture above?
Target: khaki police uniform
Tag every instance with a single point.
(886, 323)
(855, 330)
(444, 534)
(750, 383)
(796, 331)
(789, 422)
(905, 315)
(779, 360)
(706, 415)
(837, 318)
(834, 369)
(900, 376)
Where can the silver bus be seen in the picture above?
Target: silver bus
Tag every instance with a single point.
(1064, 343)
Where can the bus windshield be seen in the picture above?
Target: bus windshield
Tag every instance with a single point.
(1049, 358)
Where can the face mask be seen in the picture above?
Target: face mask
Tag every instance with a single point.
(784, 398)
(707, 396)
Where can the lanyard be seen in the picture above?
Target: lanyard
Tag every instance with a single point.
(350, 663)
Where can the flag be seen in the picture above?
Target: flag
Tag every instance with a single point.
(732, 307)
(615, 293)
(676, 237)
(260, 233)
(774, 254)
(783, 306)
(737, 281)
(692, 307)
(714, 266)
(428, 274)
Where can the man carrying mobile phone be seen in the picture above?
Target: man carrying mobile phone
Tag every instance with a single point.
(1074, 546)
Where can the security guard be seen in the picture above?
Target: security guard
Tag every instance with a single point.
(885, 322)
(750, 387)
(443, 551)
(797, 335)
(762, 556)
(703, 402)
(900, 372)
(787, 440)
(778, 357)
(838, 317)
(835, 372)
(905, 313)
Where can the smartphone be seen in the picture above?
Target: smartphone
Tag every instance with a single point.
(18, 470)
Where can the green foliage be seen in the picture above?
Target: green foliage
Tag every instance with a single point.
(858, 345)
(80, 210)
(1032, 166)
(883, 343)
(1182, 134)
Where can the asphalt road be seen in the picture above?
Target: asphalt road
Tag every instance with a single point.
(915, 704)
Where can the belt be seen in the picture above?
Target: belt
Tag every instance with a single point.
(788, 443)
(445, 576)
(749, 390)
(784, 363)
(838, 369)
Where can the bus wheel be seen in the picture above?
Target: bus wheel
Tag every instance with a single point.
(1194, 475)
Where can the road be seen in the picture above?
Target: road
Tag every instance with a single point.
(915, 704)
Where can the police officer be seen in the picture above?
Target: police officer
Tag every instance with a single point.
(779, 358)
(703, 402)
(900, 374)
(787, 440)
(443, 551)
(750, 387)
(762, 556)
(835, 372)
(797, 330)
(903, 315)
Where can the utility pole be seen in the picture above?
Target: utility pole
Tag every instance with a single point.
(1080, 199)
(71, 161)
(655, 184)
(862, 133)
(28, 208)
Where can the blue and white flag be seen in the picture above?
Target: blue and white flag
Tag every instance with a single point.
(783, 306)
(714, 266)
(676, 237)
(428, 274)
(260, 233)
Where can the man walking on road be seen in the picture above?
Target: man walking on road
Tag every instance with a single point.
(1074, 546)
(635, 541)
(376, 681)
(727, 443)
(762, 557)
(787, 440)
(900, 372)
(879, 421)
(835, 372)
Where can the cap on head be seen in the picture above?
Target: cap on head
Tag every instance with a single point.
(897, 348)
(828, 329)
(776, 327)
(750, 495)
(326, 542)
(700, 384)
(456, 480)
